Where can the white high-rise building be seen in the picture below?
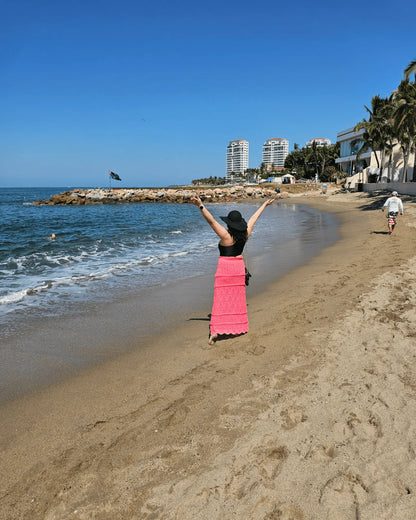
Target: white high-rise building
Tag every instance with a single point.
(237, 157)
(275, 152)
(320, 141)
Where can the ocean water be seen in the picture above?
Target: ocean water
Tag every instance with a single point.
(104, 251)
(117, 274)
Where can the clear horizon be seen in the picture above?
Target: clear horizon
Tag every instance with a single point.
(156, 92)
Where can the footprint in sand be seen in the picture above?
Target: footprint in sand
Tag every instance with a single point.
(173, 414)
(256, 350)
(322, 452)
(153, 511)
(259, 473)
(285, 512)
(292, 416)
(365, 426)
(271, 460)
(341, 497)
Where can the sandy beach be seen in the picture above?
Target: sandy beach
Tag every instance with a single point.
(312, 415)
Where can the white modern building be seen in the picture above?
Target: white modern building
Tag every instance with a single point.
(351, 143)
(369, 165)
(275, 152)
(237, 157)
(320, 141)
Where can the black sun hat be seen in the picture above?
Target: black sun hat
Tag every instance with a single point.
(234, 220)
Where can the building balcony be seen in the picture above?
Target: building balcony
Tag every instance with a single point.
(351, 158)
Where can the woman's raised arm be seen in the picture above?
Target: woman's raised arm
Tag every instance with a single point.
(253, 219)
(216, 226)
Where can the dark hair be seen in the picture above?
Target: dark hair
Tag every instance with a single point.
(238, 236)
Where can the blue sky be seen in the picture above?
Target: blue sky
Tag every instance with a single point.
(155, 90)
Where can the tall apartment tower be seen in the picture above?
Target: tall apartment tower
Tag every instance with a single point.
(275, 152)
(237, 157)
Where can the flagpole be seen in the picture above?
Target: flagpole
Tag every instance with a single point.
(113, 175)
(109, 176)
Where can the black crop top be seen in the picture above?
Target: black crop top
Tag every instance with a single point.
(234, 250)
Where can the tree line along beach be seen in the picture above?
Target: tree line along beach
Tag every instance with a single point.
(309, 416)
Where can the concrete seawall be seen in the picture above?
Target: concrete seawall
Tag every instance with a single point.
(404, 188)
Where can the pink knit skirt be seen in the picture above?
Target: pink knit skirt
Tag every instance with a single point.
(229, 310)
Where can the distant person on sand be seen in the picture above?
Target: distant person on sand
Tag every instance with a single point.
(229, 310)
(394, 205)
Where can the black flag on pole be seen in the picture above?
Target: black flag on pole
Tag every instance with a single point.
(114, 176)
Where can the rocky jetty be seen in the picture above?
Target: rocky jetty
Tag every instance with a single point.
(179, 195)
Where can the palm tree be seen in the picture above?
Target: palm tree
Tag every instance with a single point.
(316, 157)
(263, 170)
(378, 134)
(405, 120)
(408, 71)
(390, 129)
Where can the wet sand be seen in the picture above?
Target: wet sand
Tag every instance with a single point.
(309, 416)
(44, 351)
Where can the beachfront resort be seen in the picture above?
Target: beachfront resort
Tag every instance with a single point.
(380, 149)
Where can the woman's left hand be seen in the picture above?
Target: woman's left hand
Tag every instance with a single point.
(269, 201)
(196, 200)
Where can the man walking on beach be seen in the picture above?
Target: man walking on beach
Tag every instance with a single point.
(394, 205)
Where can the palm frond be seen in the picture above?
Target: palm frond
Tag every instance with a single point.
(360, 125)
(410, 69)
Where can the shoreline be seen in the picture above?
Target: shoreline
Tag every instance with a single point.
(46, 350)
(212, 432)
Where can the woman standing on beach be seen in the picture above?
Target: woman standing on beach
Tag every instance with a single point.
(229, 310)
